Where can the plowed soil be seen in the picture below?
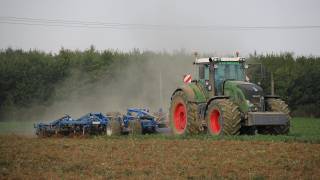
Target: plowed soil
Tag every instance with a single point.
(120, 158)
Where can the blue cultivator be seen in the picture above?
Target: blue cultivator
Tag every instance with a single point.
(141, 121)
(91, 123)
(135, 121)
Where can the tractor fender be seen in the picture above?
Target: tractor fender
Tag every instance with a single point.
(193, 93)
(187, 90)
(215, 98)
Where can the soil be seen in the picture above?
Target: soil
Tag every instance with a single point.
(119, 158)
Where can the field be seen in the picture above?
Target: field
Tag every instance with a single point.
(296, 156)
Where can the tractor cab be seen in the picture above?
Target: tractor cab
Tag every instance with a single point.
(214, 71)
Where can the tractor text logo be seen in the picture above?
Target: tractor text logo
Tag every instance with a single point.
(187, 78)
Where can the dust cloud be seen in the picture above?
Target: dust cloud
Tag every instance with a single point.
(146, 84)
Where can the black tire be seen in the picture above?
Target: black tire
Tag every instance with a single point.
(185, 121)
(135, 127)
(223, 118)
(276, 105)
(113, 127)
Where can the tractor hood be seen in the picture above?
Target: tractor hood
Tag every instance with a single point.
(250, 90)
(244, 94)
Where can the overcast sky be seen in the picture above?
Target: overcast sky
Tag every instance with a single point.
(174, 17)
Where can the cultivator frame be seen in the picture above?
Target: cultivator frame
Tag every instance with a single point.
(91, 123)
(135, 121)
(146, 122)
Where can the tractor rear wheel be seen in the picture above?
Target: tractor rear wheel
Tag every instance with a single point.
(183, 115)
(223, 118)
(135, 127)
(276, 105)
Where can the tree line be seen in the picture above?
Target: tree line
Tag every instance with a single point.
(296, 80)
(31, 77)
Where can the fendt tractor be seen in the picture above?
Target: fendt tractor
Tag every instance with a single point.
(223, 102)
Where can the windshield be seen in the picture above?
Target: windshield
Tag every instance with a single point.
(228, 70)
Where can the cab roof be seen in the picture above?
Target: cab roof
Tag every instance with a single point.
(218, 59)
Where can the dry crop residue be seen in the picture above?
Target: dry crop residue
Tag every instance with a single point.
(29, 158)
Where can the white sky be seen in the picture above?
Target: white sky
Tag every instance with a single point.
(166, 12)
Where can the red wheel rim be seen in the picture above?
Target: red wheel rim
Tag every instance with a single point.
(180, 118)
(215, 126)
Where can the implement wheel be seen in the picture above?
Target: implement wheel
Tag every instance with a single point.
(113, 127)
(135, 127)
(223, 118)
(183, 115)
(276, 105)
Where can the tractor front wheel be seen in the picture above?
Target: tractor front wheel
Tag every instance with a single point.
(223, 118)
(276, 105)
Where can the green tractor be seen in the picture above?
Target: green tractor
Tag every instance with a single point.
(222, 102)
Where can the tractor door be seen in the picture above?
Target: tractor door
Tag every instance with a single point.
(227, 71)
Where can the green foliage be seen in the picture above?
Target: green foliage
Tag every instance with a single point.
(31, 77)
(27, 77)
(296, 80)
(35, 78)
